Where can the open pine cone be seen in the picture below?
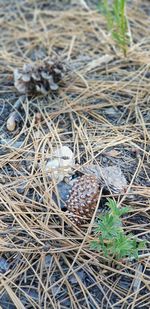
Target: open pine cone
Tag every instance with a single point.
(40, 78)
(110, 178)
(83, 199)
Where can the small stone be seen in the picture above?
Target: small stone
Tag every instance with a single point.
(12, 121)
(4, 266)
(61, 194)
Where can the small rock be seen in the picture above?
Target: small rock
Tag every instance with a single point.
(12, 121)
(4, 266)
(63, 190)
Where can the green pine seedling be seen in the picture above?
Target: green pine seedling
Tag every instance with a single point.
(111, 238)
(116, 21)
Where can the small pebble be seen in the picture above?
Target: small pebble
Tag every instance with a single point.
(12, 121)
(4, 266)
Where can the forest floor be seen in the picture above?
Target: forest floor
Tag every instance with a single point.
(102, 113)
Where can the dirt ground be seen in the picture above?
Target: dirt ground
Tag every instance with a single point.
(102, 112)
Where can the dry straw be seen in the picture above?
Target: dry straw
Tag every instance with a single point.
(103, 108)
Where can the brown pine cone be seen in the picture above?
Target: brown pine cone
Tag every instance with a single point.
(40, 78)
(83, 199)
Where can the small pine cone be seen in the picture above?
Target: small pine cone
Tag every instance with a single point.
(83, 199)
(40, 78)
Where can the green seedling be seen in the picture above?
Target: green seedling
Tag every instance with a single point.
(117, 23)
(111, 238)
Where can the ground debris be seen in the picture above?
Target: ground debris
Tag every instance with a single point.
(96, 63)
(13, 120)
(39, 78)
(61, 163)
(110, 177)
(103, 105)
(4, 265)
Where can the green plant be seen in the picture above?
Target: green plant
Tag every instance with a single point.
(112, 240)
(117, 23)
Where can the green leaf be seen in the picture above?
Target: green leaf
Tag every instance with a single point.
(114, 208)
(95, 245)
(109, 226)
(112, 240)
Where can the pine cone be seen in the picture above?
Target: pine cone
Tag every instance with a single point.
(83, 199)
(110, 178)
(40, 78)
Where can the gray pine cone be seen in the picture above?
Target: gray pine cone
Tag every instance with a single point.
(40, 78)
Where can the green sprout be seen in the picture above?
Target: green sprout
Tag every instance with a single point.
(117, 23)
(111, 238)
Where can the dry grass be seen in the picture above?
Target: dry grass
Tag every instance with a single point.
(32, 226)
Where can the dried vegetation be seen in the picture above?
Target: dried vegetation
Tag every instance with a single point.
(101, 112)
